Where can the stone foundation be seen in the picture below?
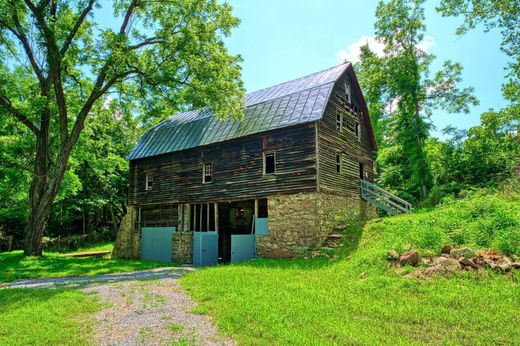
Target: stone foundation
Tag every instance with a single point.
(128, 241)
(183, 247)
(300, 223)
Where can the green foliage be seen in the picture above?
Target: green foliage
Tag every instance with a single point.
(402, 96)
(354, 298)
(46, 317)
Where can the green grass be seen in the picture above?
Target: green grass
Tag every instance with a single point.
(46, 317)
(357, 299)
(14, 265)
(107, 246)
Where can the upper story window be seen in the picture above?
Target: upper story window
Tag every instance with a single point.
(358, 131)
(339, 120)
(207, 172)
(269, 162)
(347, 91)
(149, 181)
(339, 162)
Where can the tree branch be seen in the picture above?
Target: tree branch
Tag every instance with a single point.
(146, 42)
(76, 27)
(6, 104)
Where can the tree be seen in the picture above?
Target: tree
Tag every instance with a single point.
(409, 94)
(57, 63)
(501, 14)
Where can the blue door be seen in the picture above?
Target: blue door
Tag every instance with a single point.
(243, 247)
(156, 243)
(205, 248)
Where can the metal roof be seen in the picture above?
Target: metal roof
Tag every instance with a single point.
(295, 102)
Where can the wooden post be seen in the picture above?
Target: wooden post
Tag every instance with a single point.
(216, 217)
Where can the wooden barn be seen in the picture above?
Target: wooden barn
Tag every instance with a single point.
(204, 190)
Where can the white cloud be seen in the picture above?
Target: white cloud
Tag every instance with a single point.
(352, 51)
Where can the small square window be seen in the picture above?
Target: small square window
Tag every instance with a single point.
(269, 162)
(149, 181)
(207, 172)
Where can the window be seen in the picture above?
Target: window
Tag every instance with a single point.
(207, 172)
(339, 162)
(148, 181)
(339, 120)
(358, 131)
(202, 218)
(347, 91)
(269, 162)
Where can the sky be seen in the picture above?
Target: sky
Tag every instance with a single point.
(280, 40)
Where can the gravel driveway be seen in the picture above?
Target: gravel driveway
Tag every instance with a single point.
(141, 308)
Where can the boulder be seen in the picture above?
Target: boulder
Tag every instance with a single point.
(462, 252)
(515, 265)
(446, 249)
(410, 257)
(447, 264)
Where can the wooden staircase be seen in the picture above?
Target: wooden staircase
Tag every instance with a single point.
(384, 199)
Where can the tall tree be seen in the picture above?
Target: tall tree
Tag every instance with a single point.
(409, 93)
(57, 63)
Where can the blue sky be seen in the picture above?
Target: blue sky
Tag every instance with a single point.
(280, 40)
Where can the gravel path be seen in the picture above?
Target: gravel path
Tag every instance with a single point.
(140, 308)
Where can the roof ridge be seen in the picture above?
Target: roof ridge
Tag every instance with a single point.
(295, 79)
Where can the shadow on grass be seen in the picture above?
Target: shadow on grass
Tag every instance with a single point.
(347, 246)
(14, 265)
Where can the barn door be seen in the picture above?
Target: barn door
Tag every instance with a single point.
(243, 247)
(156, 243)
(205, 248)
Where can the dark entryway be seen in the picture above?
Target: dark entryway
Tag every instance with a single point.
(235, 218)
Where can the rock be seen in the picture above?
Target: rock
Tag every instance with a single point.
(447, 264)
(410, 257)
(446, 249)
(393, 255)
(335, 236)
(340, 227)
(490, 263)
(515, 265)
(467, 262)
(504, 264)
(462, 252)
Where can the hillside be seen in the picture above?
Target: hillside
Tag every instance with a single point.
(353, 296)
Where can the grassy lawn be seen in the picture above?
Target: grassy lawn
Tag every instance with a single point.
(358, 300)
(13, 265)
(46, 317)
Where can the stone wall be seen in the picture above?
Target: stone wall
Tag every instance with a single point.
(128, 240)
(300, 223)
(183, 247)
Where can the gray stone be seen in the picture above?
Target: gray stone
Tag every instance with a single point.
(504, 264)
(462, 252)
(128, 240)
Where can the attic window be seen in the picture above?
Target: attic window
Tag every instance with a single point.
(207, 172)
(148, 181)
(347, 91)
(269, 162)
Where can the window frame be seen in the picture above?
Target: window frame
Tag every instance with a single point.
(339, 120)
(205, 172)
(264, 162)
(339, 165)
(148, 181)
(358, 131)
(348, 91)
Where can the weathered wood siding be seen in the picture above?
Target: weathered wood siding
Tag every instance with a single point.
(237, 169)
(331, 140)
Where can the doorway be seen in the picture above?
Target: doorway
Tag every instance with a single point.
(235, 219)
(361, 171)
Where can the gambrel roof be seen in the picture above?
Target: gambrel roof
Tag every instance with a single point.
(291, 103)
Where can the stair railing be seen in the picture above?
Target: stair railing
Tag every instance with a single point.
(384, 199)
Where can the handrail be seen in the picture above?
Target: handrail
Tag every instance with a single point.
(374, 194)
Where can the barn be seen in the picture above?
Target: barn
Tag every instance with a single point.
(208, 191)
